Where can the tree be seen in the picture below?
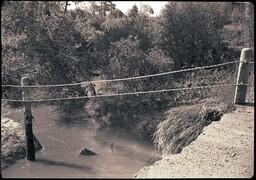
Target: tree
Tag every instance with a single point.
(133, 12)
(116, 13)
(102, 7)
(47, 46)
(147, 10)
(192, 33)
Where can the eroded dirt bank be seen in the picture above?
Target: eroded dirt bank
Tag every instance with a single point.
(224, 149)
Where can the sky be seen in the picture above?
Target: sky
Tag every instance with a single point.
(124, 6)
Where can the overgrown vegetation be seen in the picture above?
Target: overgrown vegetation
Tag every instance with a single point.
(182, 125)
(54, 46)
(192, 33)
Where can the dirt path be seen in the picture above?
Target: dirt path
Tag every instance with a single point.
(224, 149)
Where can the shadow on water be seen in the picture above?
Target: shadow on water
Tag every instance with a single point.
(62, 163)
(247, 104)
(75, 118)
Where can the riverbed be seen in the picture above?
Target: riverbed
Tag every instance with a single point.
(64, 135)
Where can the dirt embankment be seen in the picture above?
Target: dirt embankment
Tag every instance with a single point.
(224, 149)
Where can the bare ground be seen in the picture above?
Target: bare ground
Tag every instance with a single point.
(224, 149)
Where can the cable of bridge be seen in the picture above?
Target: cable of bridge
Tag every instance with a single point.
(122, 79)
(123, 94)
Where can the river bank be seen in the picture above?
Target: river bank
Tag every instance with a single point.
(224, 149)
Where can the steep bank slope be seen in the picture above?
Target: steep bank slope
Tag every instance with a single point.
(224, 149)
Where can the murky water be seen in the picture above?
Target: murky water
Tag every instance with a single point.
(63, 136)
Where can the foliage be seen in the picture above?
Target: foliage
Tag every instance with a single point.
(127, 59)
(55, 47)
(147, 10)
(206, 78)
(133, 12)
(192, 33)
(115, 29)
(116, 13)
(101, 7)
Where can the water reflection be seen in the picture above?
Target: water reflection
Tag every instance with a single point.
(76, 118)
(63, 135)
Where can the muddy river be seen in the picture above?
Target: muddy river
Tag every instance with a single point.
(64, 135)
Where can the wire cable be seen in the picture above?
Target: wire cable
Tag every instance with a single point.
(124, 94)
(123, 79)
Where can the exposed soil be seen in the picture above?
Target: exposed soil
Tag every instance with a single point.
(224, 149)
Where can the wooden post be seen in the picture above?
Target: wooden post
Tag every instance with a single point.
(243, 75)
(28, 121)
(66, 6)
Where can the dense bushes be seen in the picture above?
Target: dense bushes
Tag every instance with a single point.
(49, 48)
(127, 59)
(192, 33)
(206, 78)
(66, 47)
(185, 35)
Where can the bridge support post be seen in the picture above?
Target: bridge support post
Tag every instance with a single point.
(30, 149)
(243, 75)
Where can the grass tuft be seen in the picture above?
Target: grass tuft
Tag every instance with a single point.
(183, 124)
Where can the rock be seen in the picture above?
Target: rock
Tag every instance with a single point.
(87, 152)
(13, 142)
(214, 116)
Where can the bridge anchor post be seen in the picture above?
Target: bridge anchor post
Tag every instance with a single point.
(243, 75)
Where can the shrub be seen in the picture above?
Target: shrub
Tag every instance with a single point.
(192, 33)
(69, 105)
(206, 78)
(127, 59)
(50, 48)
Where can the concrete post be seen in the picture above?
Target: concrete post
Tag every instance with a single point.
(243, 75)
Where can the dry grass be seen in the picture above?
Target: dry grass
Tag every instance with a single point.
(183, 124)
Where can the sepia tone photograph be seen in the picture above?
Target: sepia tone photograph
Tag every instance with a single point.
(127, 89)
